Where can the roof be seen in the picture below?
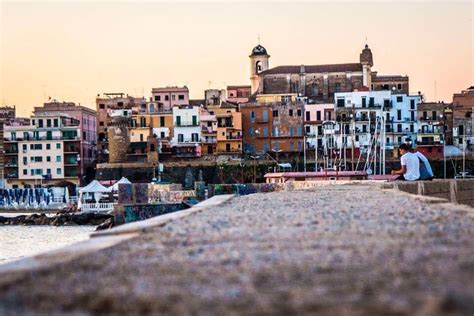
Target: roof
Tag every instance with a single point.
(170, 89)
(389, 78)
(93, 187)
(259, 50)
(295, 69)
(121, 181)
(239, 87)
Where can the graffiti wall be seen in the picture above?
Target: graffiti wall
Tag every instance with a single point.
(137, 212)
(244, 189)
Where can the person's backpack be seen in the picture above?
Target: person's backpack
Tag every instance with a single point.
(424, 174)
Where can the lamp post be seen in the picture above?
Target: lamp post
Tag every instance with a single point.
(254, 168)
(277, 151)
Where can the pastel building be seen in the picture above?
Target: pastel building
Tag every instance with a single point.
(46, 152)
(87, 136)
(187, 134)
(165, 98)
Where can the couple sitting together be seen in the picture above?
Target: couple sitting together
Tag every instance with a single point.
(415, 166)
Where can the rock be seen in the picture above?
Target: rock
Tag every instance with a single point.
(108, 223)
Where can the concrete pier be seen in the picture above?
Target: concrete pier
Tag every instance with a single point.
(355, 249)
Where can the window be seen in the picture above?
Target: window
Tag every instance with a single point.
(173, 97)
(371, 102)
(399, 86)
(318, 116)
(292, 145)
(412, 104)
(399, 115)
(364, 102)
(364, 128)
(48, 123)
(48, 158)
(162, 134)
(251, 131)
(275, 113)
(337, 87)
(290, 112)
(399, 128)
(307, 129)
(40, 123)
(195, 137)
(58, 146)
(162, 121)
(181, 97)
(299, 113)
(252, 116)
(291, 130)
(48, 146)
(265, 116)
(178, 120)
(308, 116)
(25, 147)
(101, 123)
(25, 160)
(180, 138)
(434, 115)
(399, 98)
(298, 130)
(265, 131)
(340, 103)
(101, 106)
(48, 171)
(167, 97)
(58, 158)
(157, 97)
(25, 172)
(141, 137)
(195, 120)
(58, 171)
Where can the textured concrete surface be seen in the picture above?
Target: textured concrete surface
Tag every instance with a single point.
(337, 250)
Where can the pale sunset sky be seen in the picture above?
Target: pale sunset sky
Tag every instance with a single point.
(72, 51)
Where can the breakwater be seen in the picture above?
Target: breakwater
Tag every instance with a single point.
(60, 219)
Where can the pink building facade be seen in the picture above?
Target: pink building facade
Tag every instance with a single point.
(163, 99)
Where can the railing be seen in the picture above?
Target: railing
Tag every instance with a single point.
(186, 124)
(97, 207)
(42, 138)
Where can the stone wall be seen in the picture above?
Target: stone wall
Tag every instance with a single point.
(453, 190)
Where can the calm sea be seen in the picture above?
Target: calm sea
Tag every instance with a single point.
(22, 241)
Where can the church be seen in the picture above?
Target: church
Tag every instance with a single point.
(318, 83)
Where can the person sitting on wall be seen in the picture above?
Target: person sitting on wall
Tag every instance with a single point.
(426, 172)
(410, 170)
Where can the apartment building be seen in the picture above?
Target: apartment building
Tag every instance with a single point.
(186, 141)
(46, 152)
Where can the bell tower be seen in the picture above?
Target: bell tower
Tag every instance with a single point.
(258, 63)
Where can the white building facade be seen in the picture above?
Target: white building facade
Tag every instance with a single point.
(187, 131)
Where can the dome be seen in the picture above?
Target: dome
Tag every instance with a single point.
(259, 50)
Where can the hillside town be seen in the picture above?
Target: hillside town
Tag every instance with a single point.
(294, 117)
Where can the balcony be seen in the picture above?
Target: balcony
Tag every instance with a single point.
(11, 164)
(11, 151)
(11, 176)
(186, 124)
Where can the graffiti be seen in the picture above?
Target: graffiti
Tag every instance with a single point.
(125, 193)
(133, 213)
(141, 192)
(243, 189)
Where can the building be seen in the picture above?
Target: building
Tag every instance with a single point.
(273, 127)
(431, 128)
(319, 83)
(7, 113)
(229, 128)
(186, 141)
(45, 152)
(105, 105)
(365, 118)
(214, 97)
(87, 119)
(463, 120)
(396, 84)
(318, 117)
(238, 94)
(208, 132)
(151, 128)
(165, 98)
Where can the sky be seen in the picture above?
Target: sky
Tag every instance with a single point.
(72, 51)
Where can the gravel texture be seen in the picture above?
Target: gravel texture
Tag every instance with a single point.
(337, 250)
